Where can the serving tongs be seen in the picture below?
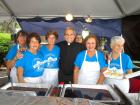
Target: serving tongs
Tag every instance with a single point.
(54, 91)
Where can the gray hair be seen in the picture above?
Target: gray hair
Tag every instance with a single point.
(116, 40)
(69, 28)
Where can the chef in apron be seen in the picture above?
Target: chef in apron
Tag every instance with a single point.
(15, 53)
(119, 64)
(89, 63)
(51, 53)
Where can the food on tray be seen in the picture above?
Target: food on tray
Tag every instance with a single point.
(108, 72)
(117, 74)
(113, 74)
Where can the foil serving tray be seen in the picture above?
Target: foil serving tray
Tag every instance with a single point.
(99, 93)
(17, 93)
(39, 89)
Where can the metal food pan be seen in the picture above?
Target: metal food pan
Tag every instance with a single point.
(17, 93)
(34, 85)
(114, 96)
(40, 89)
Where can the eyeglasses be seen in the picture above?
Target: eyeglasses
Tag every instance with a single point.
(69, 34)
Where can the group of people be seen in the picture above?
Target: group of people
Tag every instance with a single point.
(67, 61)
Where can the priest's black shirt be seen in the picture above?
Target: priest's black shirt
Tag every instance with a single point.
(68, 55)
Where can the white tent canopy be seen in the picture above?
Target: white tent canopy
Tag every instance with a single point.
(59, 8)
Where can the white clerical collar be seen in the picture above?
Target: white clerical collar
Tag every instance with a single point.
(68, 44)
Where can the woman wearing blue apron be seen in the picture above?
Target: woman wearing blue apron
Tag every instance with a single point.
(89, 64)
(119, 64)
(15, 53)
(51, 53)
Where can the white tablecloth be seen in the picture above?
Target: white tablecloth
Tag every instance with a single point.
(134, 98)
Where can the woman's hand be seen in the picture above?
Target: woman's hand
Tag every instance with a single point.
(101, 78)
(22, 49)
(19, 55)
(75, 76)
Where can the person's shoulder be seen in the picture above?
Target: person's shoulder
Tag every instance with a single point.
(61, 43)
(14, 46)
(56, 46)
(42, 46)
(77, 44)
(99, 52)
(125, 55)
(82, 52)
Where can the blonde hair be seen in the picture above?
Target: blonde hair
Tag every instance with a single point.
(116, 40)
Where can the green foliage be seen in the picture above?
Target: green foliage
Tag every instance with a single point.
(5, 44)
(4, 36)
(8, 26)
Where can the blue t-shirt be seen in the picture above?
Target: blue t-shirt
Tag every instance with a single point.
(126, 63)
(80, 58)
(51, 58)
(11, 53)
(32, 64)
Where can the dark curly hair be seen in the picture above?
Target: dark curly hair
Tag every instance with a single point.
(22, 33)
(35, 35)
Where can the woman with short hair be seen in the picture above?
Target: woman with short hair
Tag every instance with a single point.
(15, 53)
(119, 64)
(31, 67)
(89, 63)
(51, 53)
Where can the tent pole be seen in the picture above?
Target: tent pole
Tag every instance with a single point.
(8, 8)
(119, 7)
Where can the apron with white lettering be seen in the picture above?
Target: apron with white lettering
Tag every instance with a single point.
(123, 84)
(50, 76)
(89, 72)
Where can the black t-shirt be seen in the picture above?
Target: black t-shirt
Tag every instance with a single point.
(68, 55)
